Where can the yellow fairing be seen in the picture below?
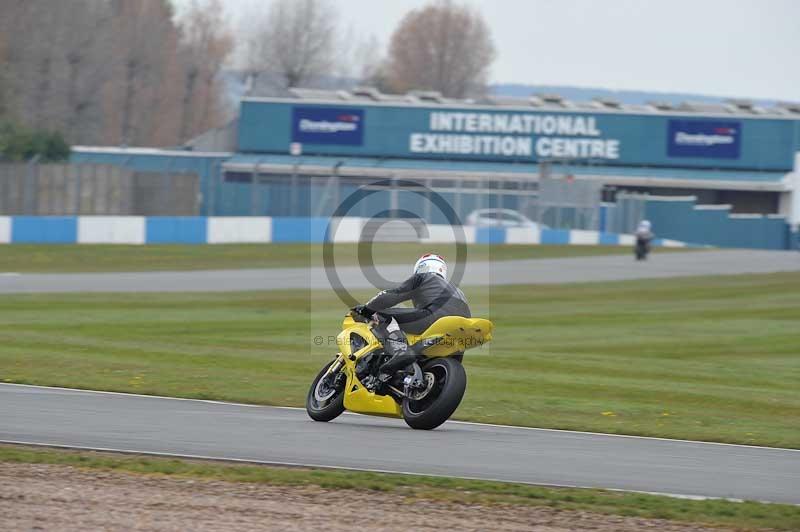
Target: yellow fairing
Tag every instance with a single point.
(359, 399)
(356, 397)
(454, 334)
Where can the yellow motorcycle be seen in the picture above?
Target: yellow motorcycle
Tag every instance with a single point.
(425, 394)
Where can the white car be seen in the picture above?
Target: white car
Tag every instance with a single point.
(500, 218)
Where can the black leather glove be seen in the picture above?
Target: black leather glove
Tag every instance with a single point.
(363, 311)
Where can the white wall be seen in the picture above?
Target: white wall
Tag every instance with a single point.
(523, 235)
(583, 238)
(5, 229)
(444, 234)
(346, 229)
(111, 230)
(239, 230)
(349, 230)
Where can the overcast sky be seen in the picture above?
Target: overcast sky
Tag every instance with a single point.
(747, 48)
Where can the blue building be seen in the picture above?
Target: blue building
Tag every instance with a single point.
(304, 155)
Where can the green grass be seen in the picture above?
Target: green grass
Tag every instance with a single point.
(714, 358)
(410, 488)
(109, 258)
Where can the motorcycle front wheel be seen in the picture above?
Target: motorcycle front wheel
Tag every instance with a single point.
(446, 382)
(325, 400)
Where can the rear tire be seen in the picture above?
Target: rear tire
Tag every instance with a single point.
(436, 407)
(324, 409)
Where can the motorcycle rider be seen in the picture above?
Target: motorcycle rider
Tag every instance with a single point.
(644, 235)
(433, 297)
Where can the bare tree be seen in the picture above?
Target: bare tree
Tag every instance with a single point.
(444, 46)
(58, 61)
(6, 7)
(4, 68)
(86, 68)
(28, 59)
(362, 61)
(206, 45)
(111, 71)
(295, 42)
(145, 38)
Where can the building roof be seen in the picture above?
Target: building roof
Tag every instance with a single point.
(542, 102)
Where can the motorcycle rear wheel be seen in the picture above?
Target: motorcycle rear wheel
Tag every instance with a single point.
(441, 399)
(324, 402)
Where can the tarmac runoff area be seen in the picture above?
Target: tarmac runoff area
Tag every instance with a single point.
(224, 431)
(536, 271)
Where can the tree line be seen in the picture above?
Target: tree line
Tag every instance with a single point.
(444, 46)
(121, 72)
(136, 73)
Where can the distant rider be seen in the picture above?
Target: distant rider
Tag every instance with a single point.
(644, 235)
(433, 297)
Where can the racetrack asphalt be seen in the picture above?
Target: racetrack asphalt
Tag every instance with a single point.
(120, 422)
(534, 271)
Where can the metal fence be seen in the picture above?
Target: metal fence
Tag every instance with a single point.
(553, 199)
(94, 189)
(626, 213)
(565, 202)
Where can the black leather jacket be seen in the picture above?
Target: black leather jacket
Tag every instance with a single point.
(433, 297)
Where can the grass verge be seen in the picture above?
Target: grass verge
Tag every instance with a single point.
(22, 258)
(712, 359)
(744, 515)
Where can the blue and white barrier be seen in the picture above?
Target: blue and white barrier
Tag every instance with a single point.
(574, 237)
(262, 230)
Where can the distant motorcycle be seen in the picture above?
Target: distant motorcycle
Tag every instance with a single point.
(644, 236)
(642, 248)
(425, 394)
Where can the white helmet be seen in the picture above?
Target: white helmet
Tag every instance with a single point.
(645, 225)
(431, 263)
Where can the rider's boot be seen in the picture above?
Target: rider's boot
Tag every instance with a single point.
(395, 345)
